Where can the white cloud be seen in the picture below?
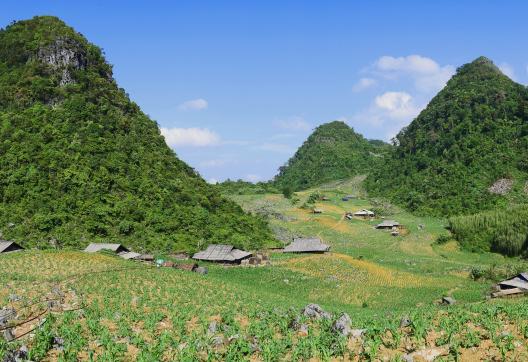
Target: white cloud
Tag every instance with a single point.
(507, 70)
(427, 74)
(398, 105)
(293, 123)
(194, 105)
(252, 178)
(388, 113)
(192, 137)
(410, 64)
(364, 83)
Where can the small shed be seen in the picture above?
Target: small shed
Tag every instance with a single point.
(516, 285)
(222, 253)
(116, 248)
(9, 246)
(317, 211)
(388, 224)
(325, 198)
(306, 245)
(145, 257)
(364, 213)
(129, 255)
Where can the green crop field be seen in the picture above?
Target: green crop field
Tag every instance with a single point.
(97, 307)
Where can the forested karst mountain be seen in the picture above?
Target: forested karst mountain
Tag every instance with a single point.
(332, 152)
(81, 162)
(467, 151)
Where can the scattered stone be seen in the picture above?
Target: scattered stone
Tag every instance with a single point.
(8, 335)
(217, 341)
(233, 337)
(6, 315)
(14, 298)
(343, 325)
(303, 330)
(448, 300)
(16, 356)
(201, 270)
(429, 355)
(58, 343)
(405, 322)
(357, 333)
(53, 304)
(57, 291)
(314, 311)
(213, 326)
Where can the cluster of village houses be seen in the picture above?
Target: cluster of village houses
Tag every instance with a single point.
(228, 254)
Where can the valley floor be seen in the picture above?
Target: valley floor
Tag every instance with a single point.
(99, 307)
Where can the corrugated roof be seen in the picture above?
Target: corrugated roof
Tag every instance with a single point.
(129, 255)
(519, 281)
(388, 223)
(95, 247)
(364, 212)
(306, 245)
(5, 245)
(221, 252)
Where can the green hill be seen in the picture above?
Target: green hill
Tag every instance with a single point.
(467, 151)
(332, 152)
(81, 162)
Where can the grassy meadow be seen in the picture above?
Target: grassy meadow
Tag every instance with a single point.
(108, 309)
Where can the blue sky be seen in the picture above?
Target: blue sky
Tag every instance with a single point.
(238, 85)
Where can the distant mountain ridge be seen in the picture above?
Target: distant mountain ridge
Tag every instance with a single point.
(81, 162)
(332, 152)
(466, 152)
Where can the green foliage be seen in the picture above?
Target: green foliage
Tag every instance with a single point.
(332, 152)
(81, 162)
(474, 132)
(287, 192)
(241, 187)
(504, 230)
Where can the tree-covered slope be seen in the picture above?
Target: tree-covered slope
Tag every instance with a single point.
(332, 152)
(80, 162)
(467, 151)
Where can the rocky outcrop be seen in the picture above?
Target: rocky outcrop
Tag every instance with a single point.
(64, 55)
(501, 186)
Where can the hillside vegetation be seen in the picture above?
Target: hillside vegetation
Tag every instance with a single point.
(118, 310)
(332, 152)
(504, 231)
(81, 162)
(466, 152)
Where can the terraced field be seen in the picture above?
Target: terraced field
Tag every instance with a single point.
(99, 307)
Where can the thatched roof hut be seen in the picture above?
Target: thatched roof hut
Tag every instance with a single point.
(129, 255)
(388, 224)
(222, 253)
(364, 213)
(516, 285)
(116, 248)
(306, 245)
(9, 246)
